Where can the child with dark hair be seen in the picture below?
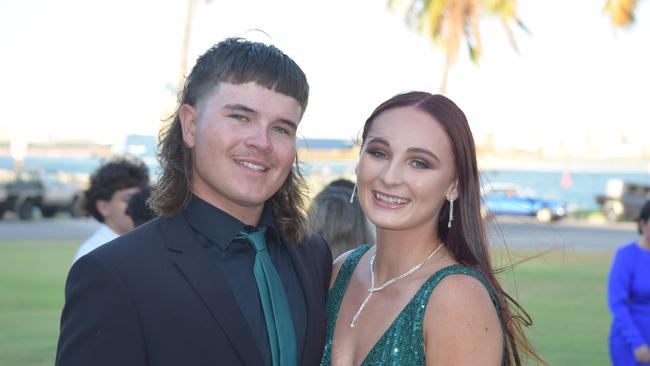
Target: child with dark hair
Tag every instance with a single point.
(111, 187)
(138, 208)
(628, 294)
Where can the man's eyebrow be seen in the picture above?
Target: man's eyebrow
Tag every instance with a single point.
(239, 107)
(423, 151)
(291, 124)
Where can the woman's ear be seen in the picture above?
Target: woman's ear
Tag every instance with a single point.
(452, 192)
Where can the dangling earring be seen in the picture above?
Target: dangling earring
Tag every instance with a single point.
(354, 190)
(451, 213)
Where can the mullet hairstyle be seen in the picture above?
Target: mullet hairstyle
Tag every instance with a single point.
(466, 239)
(235, 61)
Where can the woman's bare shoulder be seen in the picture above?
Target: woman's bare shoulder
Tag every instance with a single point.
(461, 323)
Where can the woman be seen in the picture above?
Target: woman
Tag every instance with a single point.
(426, 293)
(629, 298)
(341, 224)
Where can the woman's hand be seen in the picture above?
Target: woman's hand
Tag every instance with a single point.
(642, 353)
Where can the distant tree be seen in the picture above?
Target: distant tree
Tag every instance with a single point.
(621, 12)
(448, 22)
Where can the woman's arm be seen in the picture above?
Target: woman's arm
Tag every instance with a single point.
(461, 325)
(618, 295)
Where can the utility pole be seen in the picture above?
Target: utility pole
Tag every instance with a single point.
(186, 44)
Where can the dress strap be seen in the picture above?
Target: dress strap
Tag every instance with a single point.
(348, 266)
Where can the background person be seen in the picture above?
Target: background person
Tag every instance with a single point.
(341, 223)
(138, 208)
(106, 199)
(628, 294)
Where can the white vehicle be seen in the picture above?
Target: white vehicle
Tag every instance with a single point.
(31, 189)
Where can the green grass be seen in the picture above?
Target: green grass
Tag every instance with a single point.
(32, 276)
(564, 292)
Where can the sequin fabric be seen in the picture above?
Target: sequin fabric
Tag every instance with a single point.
(403, 341)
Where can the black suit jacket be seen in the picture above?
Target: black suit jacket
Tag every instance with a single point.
(154, 297)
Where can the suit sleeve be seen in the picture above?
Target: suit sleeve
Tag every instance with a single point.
(99, 323)
(618, 294)
(326, 264)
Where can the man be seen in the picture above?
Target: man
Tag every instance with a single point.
(106, 199)
(187, 288)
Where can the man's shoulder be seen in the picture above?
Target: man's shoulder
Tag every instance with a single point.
(313, 242)
(141, 241)
(315, 247)
(629, 250)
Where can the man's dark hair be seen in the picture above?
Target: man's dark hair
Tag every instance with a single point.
(138, 208)
(113, 175)
(235, 61)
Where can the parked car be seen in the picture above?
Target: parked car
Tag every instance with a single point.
(510, 199)
(30, 189)
(623, 200)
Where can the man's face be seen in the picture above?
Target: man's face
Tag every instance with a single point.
(243, 139)
(114, 210)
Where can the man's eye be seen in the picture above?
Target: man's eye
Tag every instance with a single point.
(239, 117)
(281, 130)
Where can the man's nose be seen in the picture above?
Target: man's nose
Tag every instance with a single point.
(259, 139)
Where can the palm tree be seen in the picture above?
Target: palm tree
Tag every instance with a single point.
(621, 12)
(448, 22)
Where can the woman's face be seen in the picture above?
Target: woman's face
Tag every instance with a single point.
(406, 170)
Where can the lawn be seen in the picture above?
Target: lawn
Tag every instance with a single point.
(565, 294)
(563, 291)
(32, 275)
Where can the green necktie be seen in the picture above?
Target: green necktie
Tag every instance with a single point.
(282, 336)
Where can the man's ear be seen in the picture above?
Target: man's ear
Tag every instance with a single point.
(102, 207)
(452, 193)
(188, 117)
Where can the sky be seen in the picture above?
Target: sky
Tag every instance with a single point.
(76, 69)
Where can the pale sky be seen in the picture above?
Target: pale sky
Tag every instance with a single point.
(103, 69)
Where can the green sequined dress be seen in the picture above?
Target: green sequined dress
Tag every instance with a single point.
(403, 341)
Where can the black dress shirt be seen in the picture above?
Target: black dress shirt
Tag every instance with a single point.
(215, 230)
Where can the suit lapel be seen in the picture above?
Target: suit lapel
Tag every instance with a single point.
(210, 285)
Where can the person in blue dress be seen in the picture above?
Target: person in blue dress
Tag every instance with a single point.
(628, 294)
(426, 293)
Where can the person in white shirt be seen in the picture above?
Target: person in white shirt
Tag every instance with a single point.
(106, 199)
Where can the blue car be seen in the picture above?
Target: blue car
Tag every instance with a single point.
(510, 199)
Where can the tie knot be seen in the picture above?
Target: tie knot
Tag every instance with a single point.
(255, 237)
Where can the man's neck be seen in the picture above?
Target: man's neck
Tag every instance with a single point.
(248, 215)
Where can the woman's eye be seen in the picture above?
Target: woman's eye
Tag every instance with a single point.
(419, 164)
(377, 153)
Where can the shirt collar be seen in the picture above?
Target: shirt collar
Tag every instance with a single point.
(220, 227)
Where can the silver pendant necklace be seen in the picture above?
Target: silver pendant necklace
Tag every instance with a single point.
(374, 289)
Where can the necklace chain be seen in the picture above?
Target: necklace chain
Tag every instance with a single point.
(374, 289)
